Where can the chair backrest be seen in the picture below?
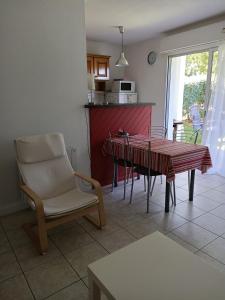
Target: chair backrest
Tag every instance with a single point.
(134, 144)
(158, 131)
(186, 136)
(124, 141)
(44, 165)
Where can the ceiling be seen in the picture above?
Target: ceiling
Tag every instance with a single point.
(144, 19)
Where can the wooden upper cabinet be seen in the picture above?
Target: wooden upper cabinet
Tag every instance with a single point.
(90, 64)
(99, 65)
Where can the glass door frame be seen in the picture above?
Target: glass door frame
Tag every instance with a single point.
(211, 51)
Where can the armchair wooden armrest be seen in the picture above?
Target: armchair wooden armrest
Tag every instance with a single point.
(99, 193)
(90, 180)
(35, 198)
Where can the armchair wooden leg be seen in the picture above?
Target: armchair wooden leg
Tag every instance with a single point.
(101, 215)
(38, 235)
(42, 234)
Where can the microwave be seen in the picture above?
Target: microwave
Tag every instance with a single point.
(122, 86)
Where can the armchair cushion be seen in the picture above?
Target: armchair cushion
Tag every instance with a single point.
(49, 178)
(68, 202)
(37, 148)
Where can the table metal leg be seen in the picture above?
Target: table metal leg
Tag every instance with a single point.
(192, 184)
(167, 197)
(93, 289)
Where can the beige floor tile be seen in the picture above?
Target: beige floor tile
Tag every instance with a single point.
(153, 210)
(216, 249)
(215, 195)
(77, 290)
(188, 211)
(211, 261)
(182, 243)
(83, 256)
(116, 240)
(16, 220)
(4, 244)
(182, 194)
(62, 228)
(29, 257)
(198, 188)
(219, 211)
(70, 240)
(95, 232)
(194, 235)
(8, 266)
(141, 228)
(47, 279)
(160, 200)
(15, 288)
(211, 223)
(122, 221)
(220, 188)
(85, 280)
(205, 203)
(168, 221)
(18, 237)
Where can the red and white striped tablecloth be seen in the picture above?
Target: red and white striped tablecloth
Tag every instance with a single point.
(167, 157)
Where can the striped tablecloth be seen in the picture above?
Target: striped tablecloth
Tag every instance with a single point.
(167, 157)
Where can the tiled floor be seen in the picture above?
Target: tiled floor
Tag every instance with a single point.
(62, 274)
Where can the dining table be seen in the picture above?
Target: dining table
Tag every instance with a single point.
(166, 157)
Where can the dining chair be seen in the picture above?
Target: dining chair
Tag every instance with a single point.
(157, 132)
(146, 171)
(186, 136)
(123, 162)
(52, 188)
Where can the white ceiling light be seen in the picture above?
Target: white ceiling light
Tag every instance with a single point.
(122, 62)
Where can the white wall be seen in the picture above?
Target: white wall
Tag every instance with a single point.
(151, 80)
(112, 50)
(43, 81)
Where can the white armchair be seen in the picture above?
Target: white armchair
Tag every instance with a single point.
(48, 180)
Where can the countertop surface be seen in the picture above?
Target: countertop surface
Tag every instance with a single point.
(111, 105)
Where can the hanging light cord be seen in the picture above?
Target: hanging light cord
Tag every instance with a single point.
(122, 41)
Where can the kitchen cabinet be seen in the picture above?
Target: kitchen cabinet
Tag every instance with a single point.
(98, 65)
(90, 64)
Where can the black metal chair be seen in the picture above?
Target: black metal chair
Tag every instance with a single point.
(186, 136)
(157, 132)
(122, 162)
(146, 171)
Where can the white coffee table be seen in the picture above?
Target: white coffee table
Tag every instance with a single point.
(155, 268)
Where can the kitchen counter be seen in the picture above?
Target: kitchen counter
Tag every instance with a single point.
(111, 105)
(134, 118)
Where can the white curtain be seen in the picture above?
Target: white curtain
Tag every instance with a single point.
(176, 91)
(214, 127)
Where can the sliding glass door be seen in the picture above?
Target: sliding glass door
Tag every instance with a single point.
(190, 80)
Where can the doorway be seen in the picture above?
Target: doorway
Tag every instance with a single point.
(190, 80)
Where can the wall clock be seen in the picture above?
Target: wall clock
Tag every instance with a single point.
(152, 57)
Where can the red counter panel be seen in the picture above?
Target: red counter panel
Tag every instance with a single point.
(133, 119)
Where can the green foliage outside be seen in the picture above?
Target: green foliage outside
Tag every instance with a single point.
(194, 93)
(196, 64)
(189, 132)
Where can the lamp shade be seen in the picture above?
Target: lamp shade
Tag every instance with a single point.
(122, 62)
(91, 81)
